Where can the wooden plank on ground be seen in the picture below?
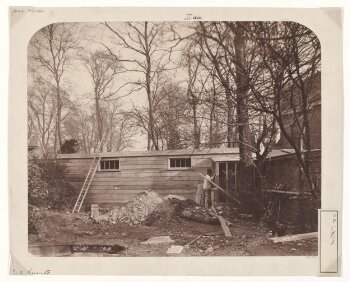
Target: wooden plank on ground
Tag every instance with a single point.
(295, 237)
(224, 226)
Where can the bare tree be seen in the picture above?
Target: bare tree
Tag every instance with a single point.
(172, 121)
(42, 112)
(215, 117)
(51, 51)
(123, 135)
(86, 124)
(224, 45)
(242, 87)
(149, 57)
(103, 70)
(290, 62)
(192, 60)
(122, 126)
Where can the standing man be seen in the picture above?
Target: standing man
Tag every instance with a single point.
(207, 188)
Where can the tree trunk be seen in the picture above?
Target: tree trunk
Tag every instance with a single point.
(59, 115)
(196, 129)
(98, 118)
(212, 116)
(148, 142)
(244, 135)
(230, 120)
(149, 92)
(55, 140)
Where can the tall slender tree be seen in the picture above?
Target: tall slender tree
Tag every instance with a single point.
(52, 53)
(148, 57)
(103, 70)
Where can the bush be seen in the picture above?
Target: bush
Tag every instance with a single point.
(37, 188)
(48, 186)
(70, 146)
(34, 216)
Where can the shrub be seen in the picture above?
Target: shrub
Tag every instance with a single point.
(70, 146)
(37, 188)
(48, 186)
(34, 216)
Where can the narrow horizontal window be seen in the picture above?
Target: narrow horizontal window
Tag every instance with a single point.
(179, 162)
(109, 165)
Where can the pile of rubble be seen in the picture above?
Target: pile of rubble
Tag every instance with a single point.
(149, 208)
(164, 213)
(136, 211)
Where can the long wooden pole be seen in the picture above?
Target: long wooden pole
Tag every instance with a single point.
(222, 190)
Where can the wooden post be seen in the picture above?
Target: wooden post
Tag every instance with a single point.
(199, 195)
(212, 197)
(94, 211)
(214, 194)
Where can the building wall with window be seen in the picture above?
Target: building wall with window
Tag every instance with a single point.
(122, 175)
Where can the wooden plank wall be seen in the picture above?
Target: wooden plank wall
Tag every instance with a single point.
(137, 174)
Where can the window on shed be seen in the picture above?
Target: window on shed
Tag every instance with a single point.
(180, 162)
(109, 165)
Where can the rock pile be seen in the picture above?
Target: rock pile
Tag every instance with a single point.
(135, 211)
(149, 208)
(164, 213)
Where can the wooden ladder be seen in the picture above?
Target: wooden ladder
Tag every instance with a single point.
(91, 173)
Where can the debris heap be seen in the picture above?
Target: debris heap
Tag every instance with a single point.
(149, 208)
(135, 211)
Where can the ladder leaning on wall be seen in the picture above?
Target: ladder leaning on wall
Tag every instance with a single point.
(91, 173)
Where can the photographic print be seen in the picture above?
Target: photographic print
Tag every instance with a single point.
(174, 138)
(188, 137)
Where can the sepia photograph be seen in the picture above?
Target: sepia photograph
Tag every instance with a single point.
(174, 138)
(170, 138)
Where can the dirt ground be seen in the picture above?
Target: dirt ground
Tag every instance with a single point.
(248, 237)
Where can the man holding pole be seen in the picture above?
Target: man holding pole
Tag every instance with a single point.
(207, 188)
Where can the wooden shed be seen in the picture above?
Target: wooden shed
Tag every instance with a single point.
(122, 175)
